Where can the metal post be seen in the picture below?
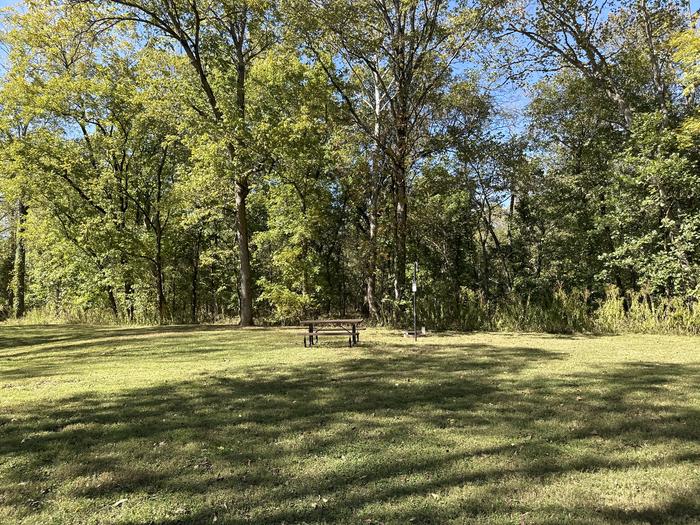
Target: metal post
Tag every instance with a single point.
(414, 287)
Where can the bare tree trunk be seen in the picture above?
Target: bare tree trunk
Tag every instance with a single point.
(485, 266)
(242, 190)
(375, 193)
(372, 266)
(112, 301)
(10, 267)
(129, 299)
(624, 107)
(511, 214)
(157, 225)
(195, 279)
(159, 277)
(400, 248)
(246, 274)
(20, 266)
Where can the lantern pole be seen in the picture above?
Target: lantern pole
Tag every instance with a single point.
(414, 287)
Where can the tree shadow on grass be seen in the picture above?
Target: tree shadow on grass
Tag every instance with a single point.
(36, 354)
(13, 337)
(449, 433)
(17, 337)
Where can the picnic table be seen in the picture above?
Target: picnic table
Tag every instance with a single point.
(324, 327)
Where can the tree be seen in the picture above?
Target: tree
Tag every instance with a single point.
(388, 60)
(613, 45)
(16, 123)
(221, 41)
(201, 160)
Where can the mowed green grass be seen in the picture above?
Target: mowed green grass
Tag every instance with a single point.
(222, 425)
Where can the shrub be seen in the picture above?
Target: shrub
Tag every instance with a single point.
(287, 305)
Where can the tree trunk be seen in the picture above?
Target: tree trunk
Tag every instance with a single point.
(372, 266)
(159, 278)
(400, 248)
(129, 299)
(375, 193)
(242, 189)
(112, 301)
(9, 267)
(246, 274)
(485, 276)
(625, 109)
(20, 267)
(157, 225)
(195, 279)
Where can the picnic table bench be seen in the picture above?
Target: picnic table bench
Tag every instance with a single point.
(327, 327)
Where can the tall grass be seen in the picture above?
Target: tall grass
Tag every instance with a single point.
(563, 311)
(560, 311)
(641, 312)
(50, 315)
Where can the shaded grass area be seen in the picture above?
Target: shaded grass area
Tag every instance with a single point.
(185, 425)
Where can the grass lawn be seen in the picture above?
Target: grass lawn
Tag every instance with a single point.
(182, 425)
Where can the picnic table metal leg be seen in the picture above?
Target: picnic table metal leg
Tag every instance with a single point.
(342, 326)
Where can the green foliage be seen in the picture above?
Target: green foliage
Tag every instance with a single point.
(660, 236)
(288, 307)
(181, 161)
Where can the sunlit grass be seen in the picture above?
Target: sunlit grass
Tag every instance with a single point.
(185, 425)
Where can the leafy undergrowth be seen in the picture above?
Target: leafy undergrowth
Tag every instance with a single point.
(219, 425)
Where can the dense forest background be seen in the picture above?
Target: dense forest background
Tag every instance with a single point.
(267, 160)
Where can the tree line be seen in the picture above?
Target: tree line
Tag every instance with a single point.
(267, 160)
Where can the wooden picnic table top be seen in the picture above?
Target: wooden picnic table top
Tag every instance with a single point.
(332, 321)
